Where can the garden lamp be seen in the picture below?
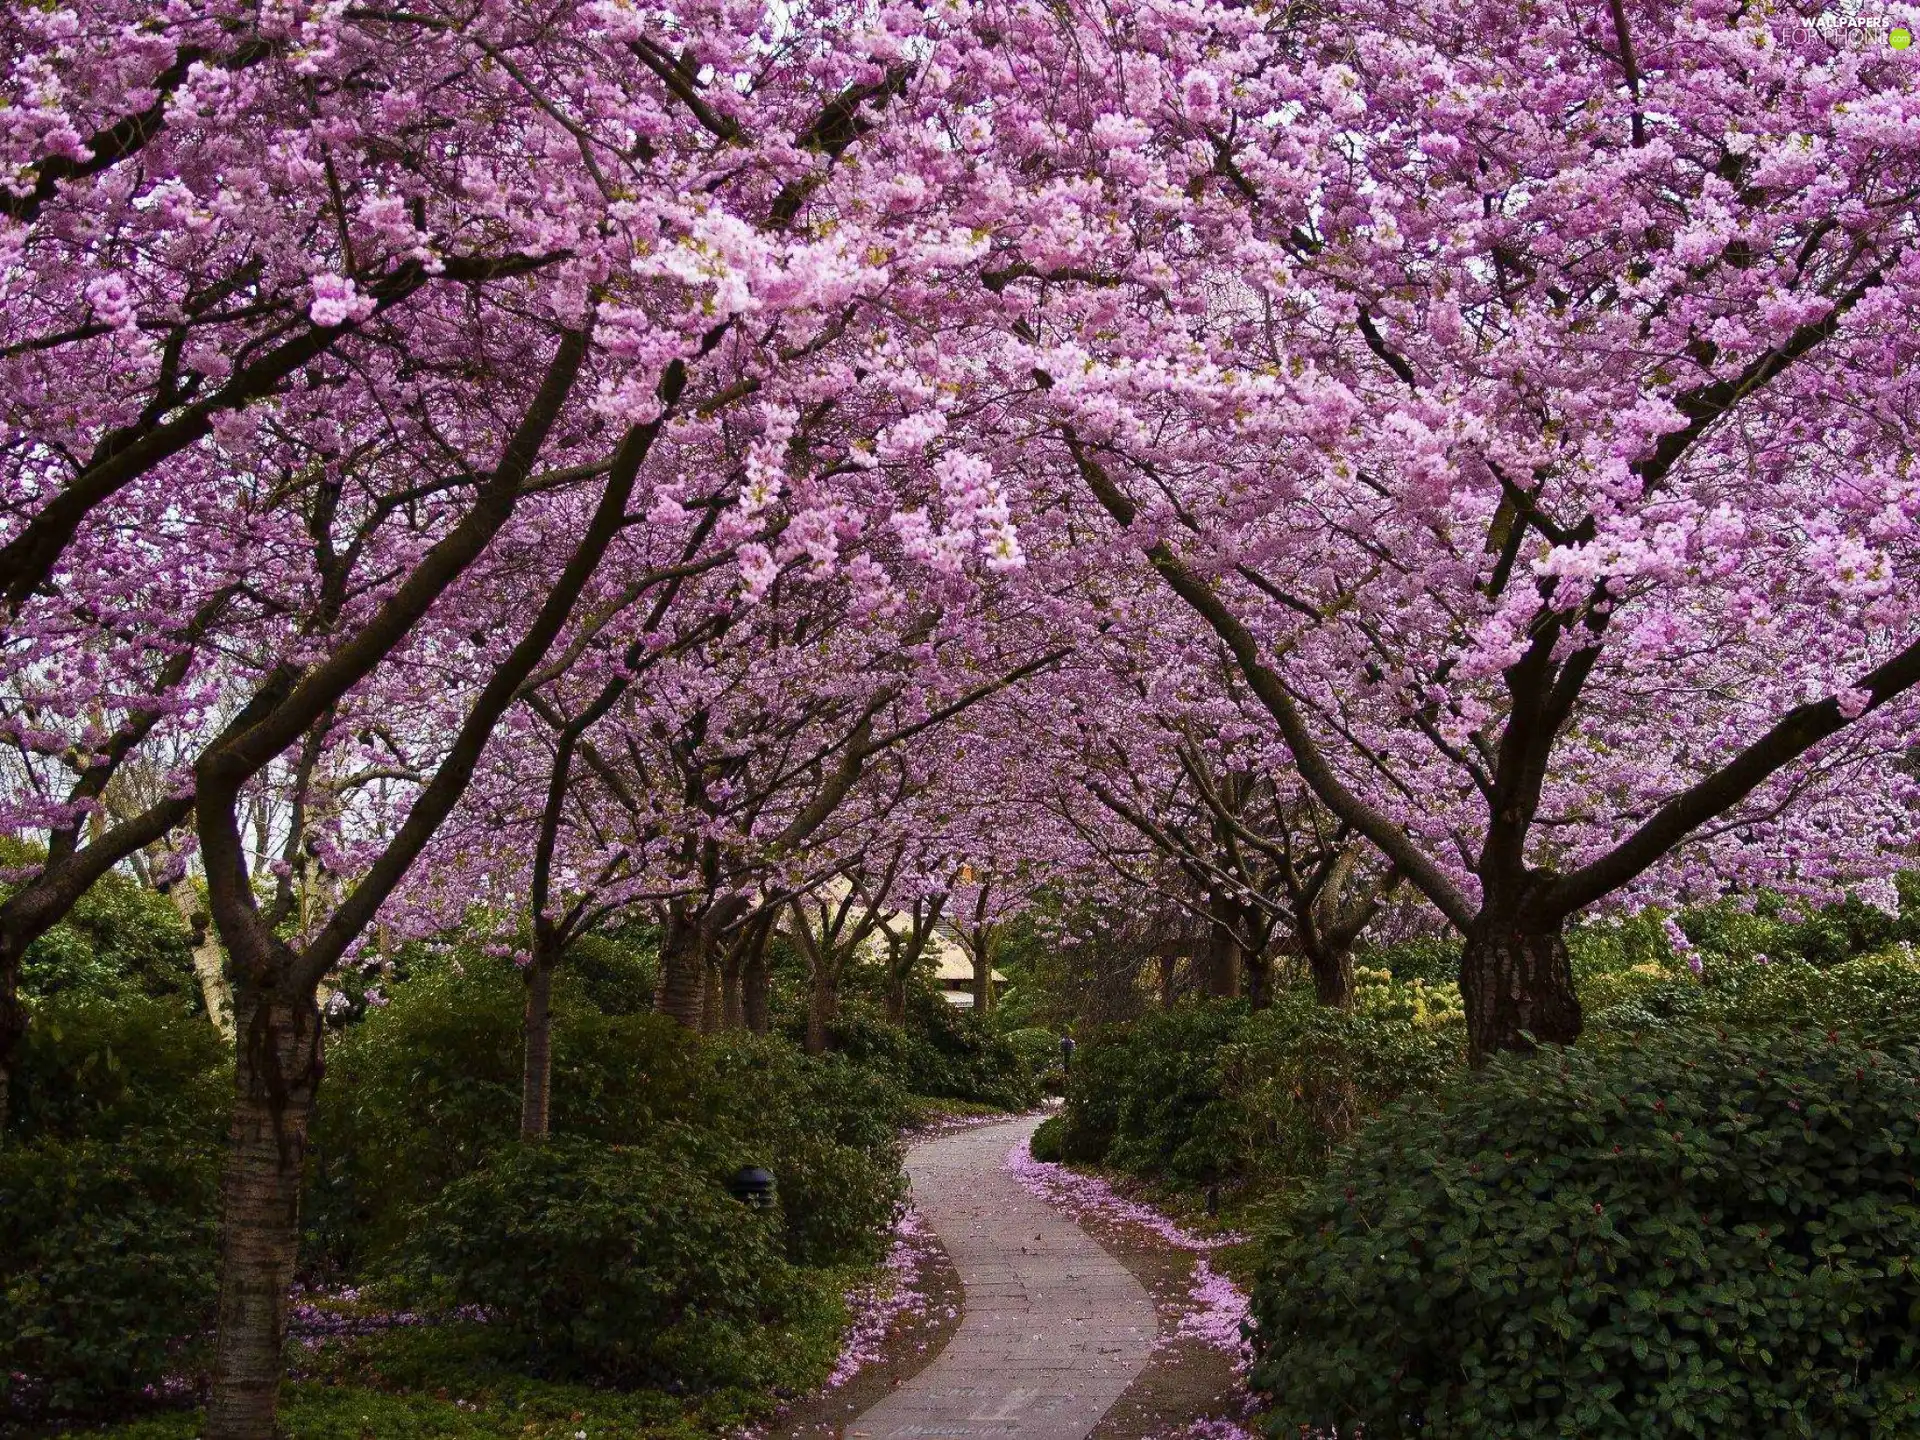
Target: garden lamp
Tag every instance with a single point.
(753, 1186)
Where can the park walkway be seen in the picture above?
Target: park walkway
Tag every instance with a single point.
(1054, 1328)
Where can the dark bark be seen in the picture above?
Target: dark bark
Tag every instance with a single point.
(980, 949)
(1222, 957)
(1517, 983)
(711, 1007)
(744, 971)
(1332, 970)
(536, 1079)
(276, 1075)
(680, 992)
(823, 1008)
(982, 983)
(1259, 981)
(906, 949)
(756, 992)
(733, 1015)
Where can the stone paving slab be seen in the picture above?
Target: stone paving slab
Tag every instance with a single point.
(1054, 1328)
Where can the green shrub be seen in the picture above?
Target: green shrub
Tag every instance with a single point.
(1100, 1074)
(829, 1130)
(1048, 1142)
(838, 1201)
(1300, 1076)
(109, 1182)
(1038, 1050)
(941, 1051)
(1874, 998)
(1210, 1092)
(614, 971)
(91, 1067)
(1705, 1233)
(1825, 936)
(420, 1091)
(1172, 1119)
(629, 1264)
(106, 1266)
(427, 1088)
(120, 940)
(1432, 958)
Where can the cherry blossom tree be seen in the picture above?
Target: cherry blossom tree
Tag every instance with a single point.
(431, 250)
(635, 455)
(1541, 457)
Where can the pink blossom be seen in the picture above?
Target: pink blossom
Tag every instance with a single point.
(336, 301)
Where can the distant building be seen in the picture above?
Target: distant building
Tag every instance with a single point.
(953, 972)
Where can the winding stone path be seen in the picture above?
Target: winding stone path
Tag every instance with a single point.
(1054, 1328)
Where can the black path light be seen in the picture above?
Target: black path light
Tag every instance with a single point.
(753, 1186)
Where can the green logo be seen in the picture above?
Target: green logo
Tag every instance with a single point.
(1900, 37)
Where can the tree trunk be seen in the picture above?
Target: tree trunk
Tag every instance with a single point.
(1332, 967)
(733, 1014)
(680, 993)
(897, 999)
(1517, 983)
(1223, 965)
(1222, 978)
(209, 960)
(982, 978)
(756, 991)
(823, 1009)
(536, 1078)
(276, 1074)
(1259, 970)
(711, 1002)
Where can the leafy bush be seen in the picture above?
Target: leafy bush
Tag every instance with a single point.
(1210, 1092)
(941, 1051)
(1049, 1140)
(106, 1266)
(427, 1088)
(828, 1129)
(1873, 998)
(1432, 958)
(629, 1264)
(108, 1198)
(120, 940)
(1824, 936)
(1702, 1234)
(1100, 1074)
(614, 971)
(1300, 1077)
(420, 1091)
(1038, 1050)
(91, 1067)
(1172, 1119)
